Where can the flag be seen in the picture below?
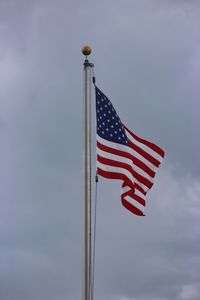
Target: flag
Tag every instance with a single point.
(121, 154)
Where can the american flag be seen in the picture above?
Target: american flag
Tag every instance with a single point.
(123, 155)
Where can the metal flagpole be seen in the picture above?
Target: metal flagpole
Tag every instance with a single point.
(87, 261)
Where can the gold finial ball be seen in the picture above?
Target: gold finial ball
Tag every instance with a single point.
(86, 50)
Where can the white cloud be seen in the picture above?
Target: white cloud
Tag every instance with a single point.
(190, 292)
(11, 82)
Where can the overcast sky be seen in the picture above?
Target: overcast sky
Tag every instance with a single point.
(147, 61)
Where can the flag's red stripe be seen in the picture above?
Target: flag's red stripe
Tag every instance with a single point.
(146, 155)
(142, 166)
(147, 143)
(135, 160)
(113, 175)
(139, 188)
(131, 194)
(130, 207)
(114, 163)
(138, 198)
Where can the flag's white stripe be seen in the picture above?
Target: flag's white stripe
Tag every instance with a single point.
(137, 192)
(116, 170)
(126, 161)
(113, 145)
(144, 147)
(135, 203)
(114, 157)
(143, 159)
(129, 150)
(126, 188)
(121, 171)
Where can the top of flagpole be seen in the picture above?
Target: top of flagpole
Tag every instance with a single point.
(86, 50)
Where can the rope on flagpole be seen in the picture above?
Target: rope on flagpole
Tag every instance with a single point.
(94, 237)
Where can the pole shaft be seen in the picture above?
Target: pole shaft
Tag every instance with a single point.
(87, 184)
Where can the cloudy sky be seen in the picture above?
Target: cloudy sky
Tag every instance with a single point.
(147, 61)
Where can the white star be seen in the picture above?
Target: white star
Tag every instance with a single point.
(120, 129)
(115, 132)
(102, 132)
(113, 117)
(107, 129)
(123, 135)
(103, 123)
(119, 138)
(106, 105)
(100, 117)
(111, 134)
(101, 108)
(104, 115)
(99, 126)
(108, 120)
(116, 123)
(112, 126)
(109, 111)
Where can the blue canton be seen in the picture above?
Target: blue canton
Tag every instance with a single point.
(109, 125)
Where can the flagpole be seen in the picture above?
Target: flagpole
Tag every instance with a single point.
(87, 261)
